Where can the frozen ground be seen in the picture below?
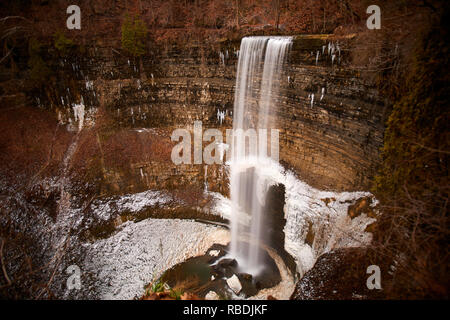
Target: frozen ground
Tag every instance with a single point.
(141, 252)
(136, 253)
(306, 209)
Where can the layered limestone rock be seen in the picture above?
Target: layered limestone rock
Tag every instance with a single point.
(330, 119)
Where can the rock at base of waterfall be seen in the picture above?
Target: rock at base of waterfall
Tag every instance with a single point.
(214, 253)
(212, 296)
(234, 284)
(227, 263)
(246, 276)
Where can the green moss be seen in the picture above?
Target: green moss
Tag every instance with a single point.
(417, 127)
(156, 286)
(176, 293)
(134, 34)
(62, 43)
(309, 42)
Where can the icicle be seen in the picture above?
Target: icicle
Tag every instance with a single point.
(323, 94)
(90, 85)
(220, 116)
(317, 56)
(78, 111)
(312, 100)
(205, 178)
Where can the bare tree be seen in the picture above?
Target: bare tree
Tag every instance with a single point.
(237, 12)
(277, 12)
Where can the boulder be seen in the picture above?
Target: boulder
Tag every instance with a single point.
(362, 205)
(234, 284)
(246, 276)
(214, 253)
(226, 263)
(212, 296)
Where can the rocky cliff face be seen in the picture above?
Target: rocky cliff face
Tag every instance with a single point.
(330, 119)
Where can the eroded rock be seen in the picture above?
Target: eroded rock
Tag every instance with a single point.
(234, 284)
(212, 296)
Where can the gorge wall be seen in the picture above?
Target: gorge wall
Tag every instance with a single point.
(96, 140)
(330, 118)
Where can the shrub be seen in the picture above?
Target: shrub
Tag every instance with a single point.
(413, 181)
(134, 33)
(61, 43)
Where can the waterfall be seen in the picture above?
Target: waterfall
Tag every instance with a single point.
(258, 79)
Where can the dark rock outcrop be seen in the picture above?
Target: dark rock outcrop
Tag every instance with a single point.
(341, 275)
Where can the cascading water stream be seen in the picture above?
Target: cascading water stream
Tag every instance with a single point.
(261, 60)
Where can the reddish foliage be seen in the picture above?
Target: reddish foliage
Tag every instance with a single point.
(170, 20)
(30, 139)
(134, 147)
(119, 149)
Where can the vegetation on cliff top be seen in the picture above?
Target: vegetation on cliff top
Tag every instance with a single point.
(413, 181)
(62, 43)
(134, 34)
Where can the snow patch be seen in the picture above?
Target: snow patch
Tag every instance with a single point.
(140, 252)
(307, 211)
(104, 209)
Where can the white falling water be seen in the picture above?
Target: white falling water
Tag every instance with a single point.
(78, 111)
(258, 79)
